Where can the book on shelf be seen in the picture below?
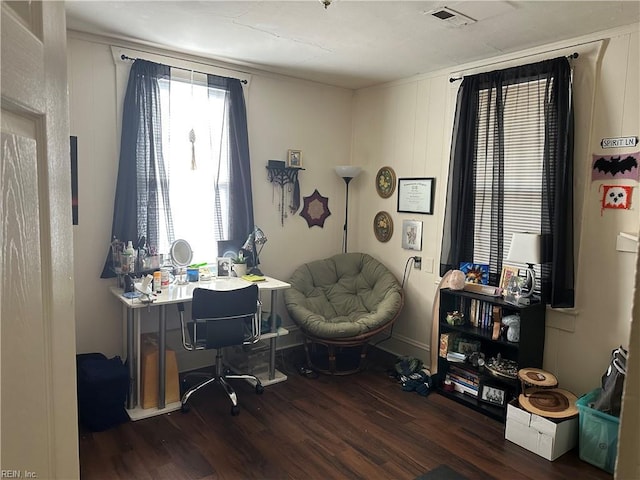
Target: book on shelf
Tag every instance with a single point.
(463, 372)
(458, 387)
(481, 289)
(456, 357)
(464, 381)
(446, 342)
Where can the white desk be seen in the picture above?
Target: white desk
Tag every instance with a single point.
(180, 294)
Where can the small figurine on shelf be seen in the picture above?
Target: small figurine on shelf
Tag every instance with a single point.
(455, 318)
(513, 324)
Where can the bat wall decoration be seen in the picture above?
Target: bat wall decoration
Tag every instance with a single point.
(606, 167)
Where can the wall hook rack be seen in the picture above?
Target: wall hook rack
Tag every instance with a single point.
(283, 176)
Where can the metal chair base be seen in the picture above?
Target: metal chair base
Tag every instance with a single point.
(219, 377)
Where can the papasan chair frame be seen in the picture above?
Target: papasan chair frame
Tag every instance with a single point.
(312, 284)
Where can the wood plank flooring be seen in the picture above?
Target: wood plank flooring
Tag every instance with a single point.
(361, 426)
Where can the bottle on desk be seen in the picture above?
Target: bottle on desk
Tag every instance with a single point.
(128, 258)
(157, 281)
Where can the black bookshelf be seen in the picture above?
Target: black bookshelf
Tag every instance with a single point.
(527, 352)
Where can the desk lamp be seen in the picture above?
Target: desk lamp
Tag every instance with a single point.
(347, 172)
(525, 248)
(256, 239)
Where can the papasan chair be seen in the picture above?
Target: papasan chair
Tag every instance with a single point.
(339, 303)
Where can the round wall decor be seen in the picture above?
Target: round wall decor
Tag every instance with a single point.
(383, 226)
(386, 182)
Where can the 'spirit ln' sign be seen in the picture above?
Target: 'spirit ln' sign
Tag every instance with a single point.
(619, 142)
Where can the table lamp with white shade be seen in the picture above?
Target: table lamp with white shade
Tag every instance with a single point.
(525, 248)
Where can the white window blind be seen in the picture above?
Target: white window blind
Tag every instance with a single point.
(523, 128)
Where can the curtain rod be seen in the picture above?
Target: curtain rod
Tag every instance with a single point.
(124, 57)
(570, 57)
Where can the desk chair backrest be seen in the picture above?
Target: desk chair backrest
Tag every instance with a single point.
(222, 318)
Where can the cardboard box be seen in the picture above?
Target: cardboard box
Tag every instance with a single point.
(543, 436)
(149, 374)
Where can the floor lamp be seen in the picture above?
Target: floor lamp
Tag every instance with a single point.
(347, 173)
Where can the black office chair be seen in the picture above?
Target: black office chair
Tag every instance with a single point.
(221, 318)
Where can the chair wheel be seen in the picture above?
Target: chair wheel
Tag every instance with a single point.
(235, 411)
(259, 389)
(185, 408)
(184, 386)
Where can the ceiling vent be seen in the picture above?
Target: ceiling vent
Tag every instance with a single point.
(451, 16)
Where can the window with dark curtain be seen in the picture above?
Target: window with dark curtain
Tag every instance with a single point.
(184, 167)
(511, 170)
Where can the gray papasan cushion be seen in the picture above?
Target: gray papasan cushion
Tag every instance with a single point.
(343, 296)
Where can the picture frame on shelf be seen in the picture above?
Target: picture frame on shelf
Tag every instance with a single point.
(294, 159)
(507, 272)
(475, 272)
(493, 395)
(224, 267)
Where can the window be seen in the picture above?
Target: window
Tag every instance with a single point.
(511, 170)
(192, 111)
(184, 168)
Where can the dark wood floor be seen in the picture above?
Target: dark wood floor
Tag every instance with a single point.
(357, 426)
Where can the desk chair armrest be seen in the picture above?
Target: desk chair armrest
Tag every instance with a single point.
(183, 330)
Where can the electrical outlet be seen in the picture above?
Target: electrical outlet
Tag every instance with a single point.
(417, 263)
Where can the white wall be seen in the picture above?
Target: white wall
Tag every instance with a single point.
(408, 125)
(283, 113)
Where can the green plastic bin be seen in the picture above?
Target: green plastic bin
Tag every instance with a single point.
(598, 441)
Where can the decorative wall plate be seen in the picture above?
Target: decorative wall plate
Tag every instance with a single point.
(383, 226)
(386, 182)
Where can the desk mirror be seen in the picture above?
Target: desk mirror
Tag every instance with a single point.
(181, 256)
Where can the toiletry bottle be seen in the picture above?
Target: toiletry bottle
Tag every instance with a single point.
(130, 257)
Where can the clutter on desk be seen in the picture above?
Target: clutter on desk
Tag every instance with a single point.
(253, 278)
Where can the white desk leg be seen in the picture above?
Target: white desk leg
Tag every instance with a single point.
(272, 341)
(162, 356)
(131, 395)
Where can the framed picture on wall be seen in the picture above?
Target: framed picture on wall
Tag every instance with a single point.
(411, 235)
(415, 195)
(294, 159)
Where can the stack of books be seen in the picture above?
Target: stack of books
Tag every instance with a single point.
(464, 380)
(483, 314)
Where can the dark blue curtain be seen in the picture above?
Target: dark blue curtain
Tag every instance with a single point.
(557, 269)
(240, 196)
(142, 187)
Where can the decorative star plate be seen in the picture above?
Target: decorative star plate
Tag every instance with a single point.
(315, 209)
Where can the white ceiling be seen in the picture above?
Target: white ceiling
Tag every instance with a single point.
(352, 43)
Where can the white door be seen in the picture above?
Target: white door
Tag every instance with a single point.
(38, 419)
